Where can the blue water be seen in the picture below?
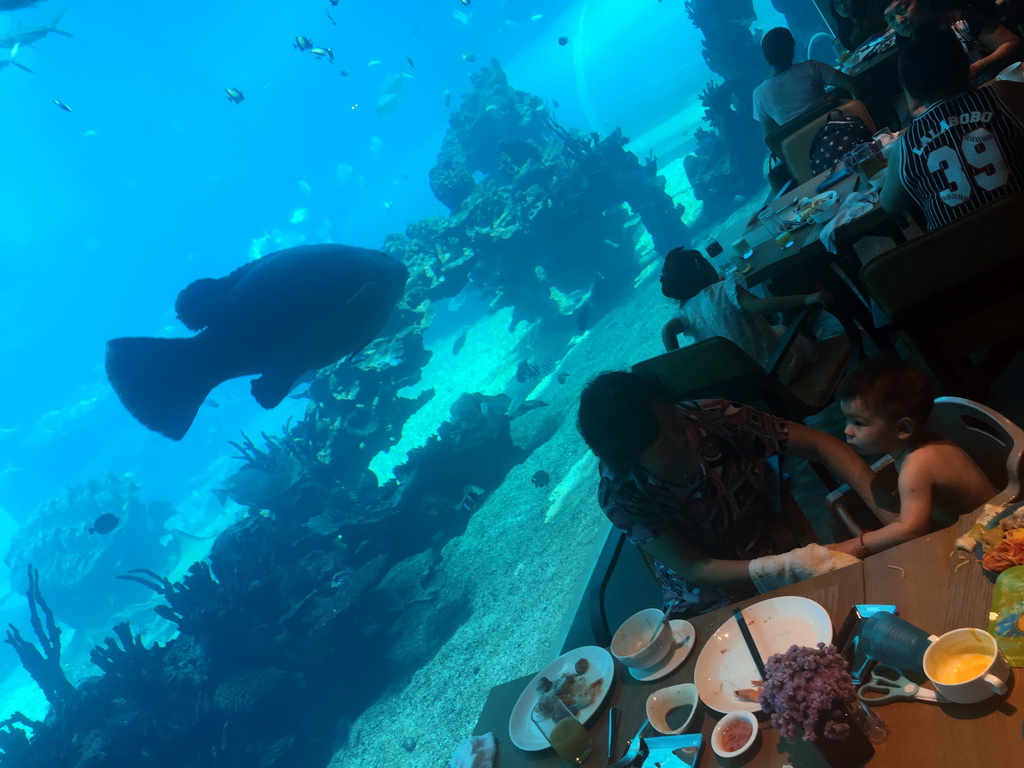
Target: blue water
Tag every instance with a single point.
(155, 178)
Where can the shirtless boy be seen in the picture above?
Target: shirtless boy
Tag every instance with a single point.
(887, 404)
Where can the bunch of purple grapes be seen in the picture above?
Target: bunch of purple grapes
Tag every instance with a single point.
(808, 692)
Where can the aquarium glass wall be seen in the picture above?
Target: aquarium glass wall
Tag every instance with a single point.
(480, 192)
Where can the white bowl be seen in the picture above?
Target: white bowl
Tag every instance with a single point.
(665, 700)
(732, 720)
(633, 643)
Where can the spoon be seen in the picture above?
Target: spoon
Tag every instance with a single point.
(664, 620)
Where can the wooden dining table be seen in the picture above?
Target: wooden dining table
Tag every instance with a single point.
(923, 580)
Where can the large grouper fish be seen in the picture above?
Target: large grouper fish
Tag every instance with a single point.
(280, 316)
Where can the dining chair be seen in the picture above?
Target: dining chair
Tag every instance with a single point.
(795, 147)
(717, 367)
(954, 292)
(994, 442)
(778, 171)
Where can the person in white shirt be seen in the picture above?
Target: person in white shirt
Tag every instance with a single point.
(793, 89)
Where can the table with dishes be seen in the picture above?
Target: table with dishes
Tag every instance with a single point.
(930, 588)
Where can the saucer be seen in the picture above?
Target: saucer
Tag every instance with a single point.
(684, 636)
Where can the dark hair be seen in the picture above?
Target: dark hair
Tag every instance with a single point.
(933, 64)
(891, 388)
(617, 418)
(685, 273)
(778, 46)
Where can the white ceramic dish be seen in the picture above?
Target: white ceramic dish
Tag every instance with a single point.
(522, 731)
(644, 640)
(728, 721)
(725, 666)
(665, 700)
(819, 208)
(683, 634)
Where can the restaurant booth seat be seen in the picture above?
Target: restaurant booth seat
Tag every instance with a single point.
(955, 295)
(778, 172)
(994, 442)
(795, 147)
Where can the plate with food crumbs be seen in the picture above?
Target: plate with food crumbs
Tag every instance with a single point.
(725, 675)
(581, 678)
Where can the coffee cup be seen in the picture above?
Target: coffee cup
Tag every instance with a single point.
(644, 640)
(965, 666)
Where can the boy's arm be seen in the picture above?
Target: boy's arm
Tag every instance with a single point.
(751, 303)
(915, 486)
(669, 331)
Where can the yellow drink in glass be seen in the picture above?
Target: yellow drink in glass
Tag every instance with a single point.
(571, 740)
(783, 239)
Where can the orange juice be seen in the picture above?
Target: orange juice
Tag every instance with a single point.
(961, 667)
(571, 740)
(783, 239)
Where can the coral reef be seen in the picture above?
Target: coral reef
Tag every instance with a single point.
(77, 564)
(537, 211)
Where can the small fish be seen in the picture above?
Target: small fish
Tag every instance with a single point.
(470, 57)
(526, 370)
(334, 3)
(447, 98)
(372, 62)
(234, 95)
(471, 501)
(323, 52)
(465, 2)
(563, 40)
(540, 478)
(331, 19)
(554, 103)
(345, 73)
(62, 105)
(537, 17)
(388, 205)
(105, 523)
(212, 403)
(302, 43)
(411, 62)
(459, 343)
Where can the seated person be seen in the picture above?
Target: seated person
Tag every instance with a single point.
(687, 484)
(967, 148)
(712, 307)
(858, 21)
(887, 404)
(793, 89)
(990, 46)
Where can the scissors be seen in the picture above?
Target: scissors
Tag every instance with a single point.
(887, 684)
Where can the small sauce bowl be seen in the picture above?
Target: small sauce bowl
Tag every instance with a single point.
(727, 726)
(664, 704)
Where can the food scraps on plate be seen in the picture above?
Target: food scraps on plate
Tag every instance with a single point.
(573, 687)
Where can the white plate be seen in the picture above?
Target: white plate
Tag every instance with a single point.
(683, 634)
(521, 729)
(725, 666)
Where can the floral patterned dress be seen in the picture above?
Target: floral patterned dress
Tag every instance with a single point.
(722, 514)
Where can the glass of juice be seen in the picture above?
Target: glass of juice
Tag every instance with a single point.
(563, 731)
(775, 228)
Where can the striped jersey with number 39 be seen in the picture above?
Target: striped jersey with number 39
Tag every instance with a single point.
(962, 153)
